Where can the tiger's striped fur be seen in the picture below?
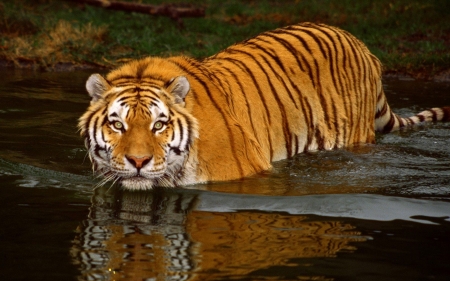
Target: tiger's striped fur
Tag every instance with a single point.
(177, 121)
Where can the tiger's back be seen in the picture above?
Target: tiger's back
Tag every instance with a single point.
(314, 87)
(294, 89)
(288, 91)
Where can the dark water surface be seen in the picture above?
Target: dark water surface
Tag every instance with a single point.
(376, 212)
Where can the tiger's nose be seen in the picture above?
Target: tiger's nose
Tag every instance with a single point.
(138, 162)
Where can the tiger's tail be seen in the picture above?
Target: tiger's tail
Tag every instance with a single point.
(387, 121)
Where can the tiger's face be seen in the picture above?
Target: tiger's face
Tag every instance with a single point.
(138, 134)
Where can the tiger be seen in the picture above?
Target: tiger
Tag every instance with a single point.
(179, 121)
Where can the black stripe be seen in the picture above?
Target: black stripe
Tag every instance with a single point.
(255, 82)
(319, 139)
(88, 124)
(173, 131)
(337, 72)
(244, 68)
(349, 81)
(216, 105)
(361, 62)
(104, 121)
(323, 99)
(446, 112)
(307, 114)
(346, 65)
(356, 81)
(237, 81)
(122, 76)
(366, 84)
(217, 76)
(189, 127)
(317, 84)
(280, 64)
(87, 135)
(294, 51)
(131, 112)
(297, 36)
(97, 150)
(434, 115)
(400, 121)
(176, 150)
(333, 73)
(96, 122)
(283, 111)
(388, 127)
(382, 111)
(181, 131)
(125, 99)
(313, 36)
(141, 67)
(286, 130)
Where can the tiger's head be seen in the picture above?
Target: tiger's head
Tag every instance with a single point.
(138, 133)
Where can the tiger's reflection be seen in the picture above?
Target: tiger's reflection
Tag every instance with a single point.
(161, 235)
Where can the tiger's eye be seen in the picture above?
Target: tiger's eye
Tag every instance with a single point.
(158, 125)
(117, 125)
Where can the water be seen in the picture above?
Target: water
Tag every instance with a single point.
(375, 212)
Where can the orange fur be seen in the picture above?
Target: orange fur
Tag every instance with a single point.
(299, 88)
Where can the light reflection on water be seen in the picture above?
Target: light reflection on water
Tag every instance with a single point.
(358, 214)
(194, 235)
(136, 235)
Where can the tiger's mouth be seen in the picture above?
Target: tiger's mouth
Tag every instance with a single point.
(139, 179)
(144, 181)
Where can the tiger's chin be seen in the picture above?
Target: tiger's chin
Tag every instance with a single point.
(138, 183)
(147, 183)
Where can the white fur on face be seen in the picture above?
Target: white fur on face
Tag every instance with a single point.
(167, 150)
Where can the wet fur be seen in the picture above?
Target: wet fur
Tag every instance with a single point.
(300, 88)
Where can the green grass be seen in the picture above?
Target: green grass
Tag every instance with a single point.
(409, 36)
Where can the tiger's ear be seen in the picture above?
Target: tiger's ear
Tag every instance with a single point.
(96, 85)
(179, 87)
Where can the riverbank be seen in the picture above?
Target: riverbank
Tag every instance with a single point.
(411, 38)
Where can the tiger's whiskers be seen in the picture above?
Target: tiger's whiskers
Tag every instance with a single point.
(106, 176)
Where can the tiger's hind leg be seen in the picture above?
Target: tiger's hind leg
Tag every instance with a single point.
(387, 121)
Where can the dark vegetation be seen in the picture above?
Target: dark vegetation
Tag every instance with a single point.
(409, 36)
